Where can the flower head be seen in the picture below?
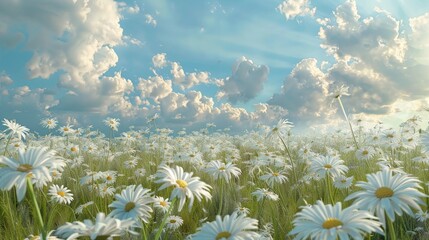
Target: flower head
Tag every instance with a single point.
(340, 91)
(329, 222)
(49, 123)
(328, 165)
(388, 193)
(60, 194)
(219, 169)
(232, 226)
(185, 186)
(35, 163)
(112, 123)
(14, 128)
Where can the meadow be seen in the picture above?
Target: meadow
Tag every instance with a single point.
(78, 183)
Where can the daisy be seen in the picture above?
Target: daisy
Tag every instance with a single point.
(112, 123)
(328, 165)
(49, 123)
(102, 227)
(340, 91)
(422, 216)
(79, 209)
(365, 153)
(219, 169)
(162, 204)
(133, 202)
(242, 210)
(232, 226)
(262, 193)
(274, 177)
(66, 130)
(386, 193)
(343, 182)
(61, 194)
(140, 172)
(329, 222)
(281, 129)
(15, 129)
(174, 222)
(35, 163)
(185, 186)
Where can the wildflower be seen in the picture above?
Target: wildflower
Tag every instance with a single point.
(66, 130)
(328, 165)
(14, 128)
(112, 123)
(365, 153)
(49, 123)
(161, 204)
(385, 193)
(262, 193)
(242, 210)
(185, 186)
(37, 237)
(340, 91)
(343, 182)
(274, 177)
(219, 169)
(174, 222)
(34, 163)
(133, 202)
(79, 209)
(232, 226)
(422, 216)
(102, 227)
(60, 194)
(329, 222)
(281, 129)
(140, 172)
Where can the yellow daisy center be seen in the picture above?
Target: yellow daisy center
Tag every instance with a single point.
(331, 223)
(25, 168)
(384, 192)
(61, 193)
(172, 221)
(129, 206)
(109, 178)
(327, 166)
(223, 235)
(49, 122)
(16, 145)
(222, 169)
(276, 174)
(163, 203)
(181, 183)
(365, 152)
(65, 129)
(73, 149)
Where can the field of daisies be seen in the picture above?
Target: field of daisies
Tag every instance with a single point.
(77, 183)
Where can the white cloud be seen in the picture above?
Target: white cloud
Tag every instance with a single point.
(246, 82)
(150, 20)
(304, 94)
(187, 81)
(293, 8)
(155, 88)
(5, 80)
(159, 60)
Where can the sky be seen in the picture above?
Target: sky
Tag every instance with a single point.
(236, 64)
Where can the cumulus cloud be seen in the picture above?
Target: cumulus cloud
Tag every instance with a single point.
(5, 80)
(155, 88)
(187, 81)
(245, 83)
(129, 9)
(304, 93)
(159, 60)
(293, 8)
(382, 61)
(150, 20)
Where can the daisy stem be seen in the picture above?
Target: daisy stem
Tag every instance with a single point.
(221, 197)
(348, 121)
(144, 235)
(164, 220)
(7, 144)
(290, 157)
(391, 229)
(329, 188)
(36, 208)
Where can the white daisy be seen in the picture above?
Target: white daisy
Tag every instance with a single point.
(386, 193)
(329, 222)
(263, 193)
(15, 129)
(232, 226)
(328, 165)
(61, 194)
(219, 169)
(133, 202)
(35, 163)
(173, 222)
(112, 123)
(185, 186)
(274, 177)
(162, 204)
(49, 123)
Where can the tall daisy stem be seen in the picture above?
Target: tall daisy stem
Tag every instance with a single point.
(391, 229)
(348, 121)
(36, 208)
(290, 157)
(164, 220)
(220, 198)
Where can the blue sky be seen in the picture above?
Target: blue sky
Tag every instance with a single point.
(233, 63)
